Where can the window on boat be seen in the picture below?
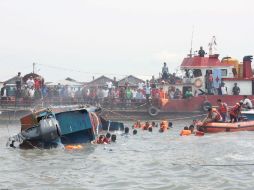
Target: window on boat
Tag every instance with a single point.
(208, 72)
(197, 73)
(224, 72)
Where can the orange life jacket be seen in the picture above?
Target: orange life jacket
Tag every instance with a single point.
(223, 108)
(218, 116)
(164, 126)
(73, 147)
(235, 110)
(185, 132)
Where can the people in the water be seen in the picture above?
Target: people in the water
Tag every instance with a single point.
(113, 138)
(191, 128)
(146, 126)
(212, 116)
(107, 139)
(154, 124)
(185, 131)
(134, 132)
(137, 124)
(222, 109)
(126, 130)
(163, 126)
(235, 112)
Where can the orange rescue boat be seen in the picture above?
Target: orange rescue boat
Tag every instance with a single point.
(215, 127)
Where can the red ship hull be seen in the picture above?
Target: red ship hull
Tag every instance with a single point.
(197, 104)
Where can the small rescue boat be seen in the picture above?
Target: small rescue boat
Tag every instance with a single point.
(214, 127)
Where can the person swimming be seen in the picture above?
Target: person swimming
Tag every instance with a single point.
(191, 128)
(185, 131)
(163, 126)
(113, 138)
(134, 132)
(107, 139)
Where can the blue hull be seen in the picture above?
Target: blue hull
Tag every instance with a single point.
(75, 126)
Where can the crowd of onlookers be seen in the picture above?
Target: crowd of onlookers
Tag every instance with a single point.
(33, 88)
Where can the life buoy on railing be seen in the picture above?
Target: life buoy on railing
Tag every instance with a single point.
(198, 83)
(153, 111)
(206, 105)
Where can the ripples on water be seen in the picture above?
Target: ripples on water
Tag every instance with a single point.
(146, 161)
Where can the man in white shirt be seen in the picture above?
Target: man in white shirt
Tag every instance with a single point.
(30, 82)
(224, 90)
(247, 102)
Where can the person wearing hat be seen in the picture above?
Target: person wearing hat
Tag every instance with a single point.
(236, 89)
(235, 112)
(212, 116)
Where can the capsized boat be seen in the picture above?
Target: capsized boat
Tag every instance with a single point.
(39, 129)
(77, 125)
(215, 127)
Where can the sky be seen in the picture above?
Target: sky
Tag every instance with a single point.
(85, 38)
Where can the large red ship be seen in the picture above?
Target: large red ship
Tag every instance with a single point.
(207, 78)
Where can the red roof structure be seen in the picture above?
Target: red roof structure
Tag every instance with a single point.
(203, 62)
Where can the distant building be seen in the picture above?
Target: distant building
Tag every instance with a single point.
(131, 80)
(100, 82)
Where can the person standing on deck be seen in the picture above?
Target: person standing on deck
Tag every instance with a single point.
(223, 109)
(165, 73)
(224, 89)
(235, 112)
(201, 52)
(236, 90)
(148, 91)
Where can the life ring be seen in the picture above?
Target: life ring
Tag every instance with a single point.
(153, 111)
(206, 105)
(198, 83)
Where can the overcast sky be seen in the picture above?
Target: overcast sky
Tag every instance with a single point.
(85, 38)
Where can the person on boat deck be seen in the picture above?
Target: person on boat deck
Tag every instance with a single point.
(236, 89)
(247, 104)
(212, 116)
(185, 131)
(201, 52)
(223, 109)
(223, 89)
(188, 93)
(165, 73)
(235, 112)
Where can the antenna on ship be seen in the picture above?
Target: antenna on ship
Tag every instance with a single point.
(34, 67)
(191, 40)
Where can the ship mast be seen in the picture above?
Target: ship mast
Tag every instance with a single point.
(191, 41)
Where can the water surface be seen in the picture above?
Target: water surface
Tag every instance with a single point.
(146, 161)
